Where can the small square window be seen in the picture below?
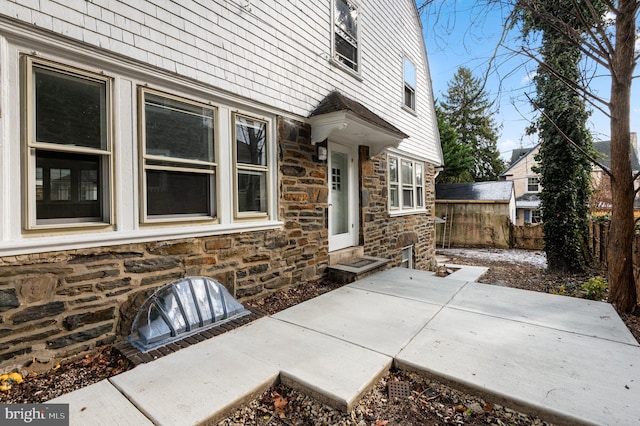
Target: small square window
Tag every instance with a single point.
(409, 84)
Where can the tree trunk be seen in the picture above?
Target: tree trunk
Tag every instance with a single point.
(622, 291)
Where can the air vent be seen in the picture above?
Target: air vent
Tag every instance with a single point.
(182, 308)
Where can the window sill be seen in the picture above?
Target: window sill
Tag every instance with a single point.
(346, 69)
(393, 213)
(409, 110)
(72, 241)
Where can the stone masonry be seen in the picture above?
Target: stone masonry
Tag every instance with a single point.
(384, 236)
(59, 305)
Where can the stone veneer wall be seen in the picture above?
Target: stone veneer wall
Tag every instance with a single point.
(385, 236)
(58, 305)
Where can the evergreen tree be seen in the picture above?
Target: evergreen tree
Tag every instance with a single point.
(468, 110)
(565, 172)
(458, 160)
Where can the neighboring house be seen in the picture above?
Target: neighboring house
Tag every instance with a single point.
(526, 184)
(251, 142)
(600, 179)
(477, 214)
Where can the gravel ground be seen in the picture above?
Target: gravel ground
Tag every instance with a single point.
(428, 402)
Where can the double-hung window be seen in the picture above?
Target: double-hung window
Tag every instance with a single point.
(178, 158)
(345, 33)
(533, 184)
(68, 141)
(251, 166)
(406, 184)
(409, 85)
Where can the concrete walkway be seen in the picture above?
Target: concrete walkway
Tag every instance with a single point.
(569, 360)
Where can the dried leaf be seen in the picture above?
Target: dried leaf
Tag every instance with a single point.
(278, 404)
(381, 422)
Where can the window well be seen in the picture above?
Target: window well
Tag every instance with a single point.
(182, 308)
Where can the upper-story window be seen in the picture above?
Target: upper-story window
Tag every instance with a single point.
(406, 184)
(68, 141)
(345, 36)
(533, 184)
(178, 158)
(251, 166)
(409, 84)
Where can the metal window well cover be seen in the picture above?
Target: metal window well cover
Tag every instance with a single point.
(180, 309)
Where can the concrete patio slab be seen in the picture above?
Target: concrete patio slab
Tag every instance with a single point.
(379, 322)
(466, 272)
(198, 384)
(101, 404)
(412, 284)
(588, 317)
(569, 360)
(334, 371)
(568, 377)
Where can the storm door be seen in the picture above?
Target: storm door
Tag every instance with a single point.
(343, 197)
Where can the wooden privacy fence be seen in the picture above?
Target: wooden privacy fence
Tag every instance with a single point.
(598, 241)
(598, 246)
(527, 237)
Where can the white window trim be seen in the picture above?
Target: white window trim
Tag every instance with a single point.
(238, 215)
(538, 184)
(334, 55)
(30, 145)
(401, 210)
(143, 167)
(405, 58)
(124, 226)
(410, 259)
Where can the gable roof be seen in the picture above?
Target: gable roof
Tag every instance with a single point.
(603, 149)
(475, 191)
(517, 155)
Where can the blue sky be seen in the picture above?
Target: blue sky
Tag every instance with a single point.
(463, 34)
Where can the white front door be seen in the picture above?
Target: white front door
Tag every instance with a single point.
(343, 197)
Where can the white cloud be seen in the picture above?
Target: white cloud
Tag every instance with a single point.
(527, 78)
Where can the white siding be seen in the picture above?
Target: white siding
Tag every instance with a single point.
(275, 53)
(266, 59)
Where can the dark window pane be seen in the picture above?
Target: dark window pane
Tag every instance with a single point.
(347, 53)
(251, 142)
(171, 193)
(407, 198)
(409, 97)
(252, 191)
(70, 110)
(346, 33)
(178, 129)
(67, 186)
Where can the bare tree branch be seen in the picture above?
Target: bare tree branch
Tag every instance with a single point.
(568, 139)
(590, 97)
